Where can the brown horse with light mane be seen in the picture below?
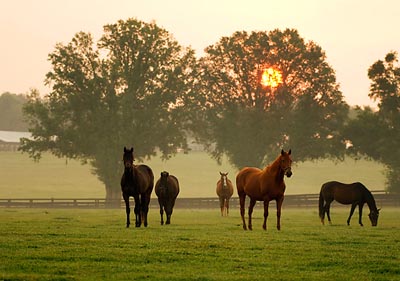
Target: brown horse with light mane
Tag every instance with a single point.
(224, 192)
(264, 185)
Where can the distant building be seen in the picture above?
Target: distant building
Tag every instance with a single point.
(10, 141)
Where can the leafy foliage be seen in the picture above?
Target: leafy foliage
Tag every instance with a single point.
(11, 118)
(250, 122)
(129, 90)
(376, 134)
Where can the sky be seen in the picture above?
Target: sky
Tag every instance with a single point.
(353, 33)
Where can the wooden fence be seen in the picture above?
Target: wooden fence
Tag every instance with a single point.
(291, 201)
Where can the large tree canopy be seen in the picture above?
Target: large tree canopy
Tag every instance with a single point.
(11, 118)
(376, 134)
(250, 122)
(129, 89)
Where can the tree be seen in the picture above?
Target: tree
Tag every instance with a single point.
(11, 118)
(376, 134)
(251, 122)
(129, 90)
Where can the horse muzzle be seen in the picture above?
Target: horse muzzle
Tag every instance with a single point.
(288, 172)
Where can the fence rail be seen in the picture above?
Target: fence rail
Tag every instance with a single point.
(382, 198)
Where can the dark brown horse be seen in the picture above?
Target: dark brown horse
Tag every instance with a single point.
(167, 189)
(353, 193)
(224, 192)
(137, 181)
(264, 185)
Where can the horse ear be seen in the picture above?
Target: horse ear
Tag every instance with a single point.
(220, 173)
(131, 149)
(290, 151)
(124, 149)
(282, 152)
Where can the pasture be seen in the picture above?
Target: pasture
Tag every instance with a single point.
(57, 244)
(198, 174)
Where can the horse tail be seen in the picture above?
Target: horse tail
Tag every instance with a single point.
(321, 204)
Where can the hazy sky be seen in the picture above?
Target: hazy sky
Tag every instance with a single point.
(353, 33)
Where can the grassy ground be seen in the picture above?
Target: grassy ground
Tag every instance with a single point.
(54, 244)
(20, 177)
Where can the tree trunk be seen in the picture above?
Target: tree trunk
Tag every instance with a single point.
(113, 197)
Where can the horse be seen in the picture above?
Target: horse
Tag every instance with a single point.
(224, 192)
(264, 185)
(167, 189)
(353, 193)
(137, 181)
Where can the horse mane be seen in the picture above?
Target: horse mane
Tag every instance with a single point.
(369, 198)
(273, 165)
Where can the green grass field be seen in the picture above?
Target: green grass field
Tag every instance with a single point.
(20, 177)
(55, 244)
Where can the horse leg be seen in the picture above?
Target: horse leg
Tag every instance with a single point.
(145, 209)
(138, 221)
(221, 205)
(278, 212)
(266, 203)
(251, 207)
(242, 199)
(327, 209)
(128, 210)
(353, 206)
(161, 211)
(227, 206)
(360, 208)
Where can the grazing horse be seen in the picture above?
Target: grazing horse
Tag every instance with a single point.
(137, 181)
(167, 189)
(353, 193)
(264, 185)
(224, 192)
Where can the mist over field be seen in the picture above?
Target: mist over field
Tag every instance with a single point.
(51, 177)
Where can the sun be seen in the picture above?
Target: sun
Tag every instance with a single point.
(271, 77)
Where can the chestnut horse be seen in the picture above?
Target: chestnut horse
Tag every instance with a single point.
(224, 192)
(137, 181)
(264, 185)
(167, 189)
(353, 193)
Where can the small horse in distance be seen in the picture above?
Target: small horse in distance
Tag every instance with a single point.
(137, 181)
(353, 193)
(264, 185)
(167, 190)
(224, 192)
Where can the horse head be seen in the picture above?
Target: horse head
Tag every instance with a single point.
(164, 179)
(224, 179)
(373, 217)
(164, 175)
(286, 162)
(128, 158)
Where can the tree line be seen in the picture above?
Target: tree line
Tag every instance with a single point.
(137, 86)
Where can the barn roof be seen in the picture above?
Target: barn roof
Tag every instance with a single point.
(11, 136)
